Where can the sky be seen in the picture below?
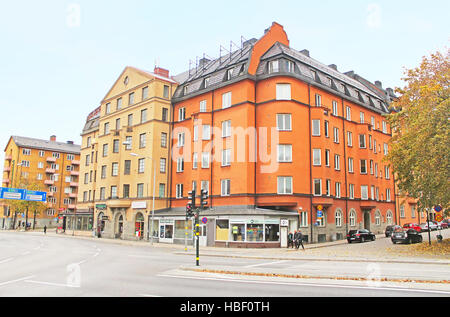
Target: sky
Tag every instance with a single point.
(59, 58)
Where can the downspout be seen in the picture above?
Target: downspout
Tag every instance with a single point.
(310, 167)
(345, 169)
(256, 145)
(211, 152)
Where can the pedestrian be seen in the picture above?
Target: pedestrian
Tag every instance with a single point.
(290, 240)
(45, 229)
(299, 240)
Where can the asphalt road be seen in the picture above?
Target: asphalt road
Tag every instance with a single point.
(34, 264)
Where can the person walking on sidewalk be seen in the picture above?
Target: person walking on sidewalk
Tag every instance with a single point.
(290, 240)
(45, 229)
(299, 240)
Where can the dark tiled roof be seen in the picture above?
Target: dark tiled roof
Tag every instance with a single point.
(46, 145)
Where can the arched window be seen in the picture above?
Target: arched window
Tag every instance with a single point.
(338, 218)
(352, 218)
(378, 218)
(389, 217)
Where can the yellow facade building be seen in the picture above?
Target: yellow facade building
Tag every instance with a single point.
(124, 173)
(52, 166)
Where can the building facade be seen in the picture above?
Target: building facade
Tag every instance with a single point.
(281, 142)
(52, 165)
(125, 155)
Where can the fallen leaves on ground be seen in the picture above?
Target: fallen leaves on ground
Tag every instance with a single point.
(436, 249)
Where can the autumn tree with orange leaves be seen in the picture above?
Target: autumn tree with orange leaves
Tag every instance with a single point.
(420, 146)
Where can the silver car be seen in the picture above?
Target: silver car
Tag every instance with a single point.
(424, 226)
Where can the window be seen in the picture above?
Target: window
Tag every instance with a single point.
(274, 67)
(338, 218)
(115, 169)
(40, 165)
(328, 187)
(108, 108)
(105, 150)
(103, 175)
(205, 185)
(116, 146)
(207, 80)
(338, 190)
(229, 73)
(205, 160)
(26, 151)
(162, 165)
(388, 195)
(317, 187)
(389, 217)
(387, 172)
(349, 138)
(130, 120)
(318, 100)
(352, 218)
(226, 100)
(350, 165)
(225, 187)
(144, 93)
(131, 98)
(70, 157)
(370, 142)
(284, 153)
(140, 190)
(102, 193)
(166, 91)
(364, 192)
(385, 149)
(362, 141)
(326, 126)
(361, 117)
(179, 191)
(39, 176)
(181, 114)
(348, 113)
(337, 162)
(86, 178)
(372, 122)
(127, 167)
(41, 153)
(106, 128)
(316, 127)
(304, 219)
(162, 190)
(143, 115)
(284, 122)
(113, 192)
(351, 191)
(203, 106)
(283, 92)
(226, 157)
(195, 138)
(371, 167)
(363, 166)
(165, 114)
(180, 165)
(384, 126)
(336, 135)
(128, 142)
(88, 159)
(226, 128)
(327, 158)
(142, 140)
(402, 211)
(284, 185)
(163, 139)
(335, 108)
(141, 165)
(317, 157)
(206, 132)
(180, 139)
(195, 160)
(372, 192)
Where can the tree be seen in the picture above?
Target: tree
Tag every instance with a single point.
(420, 121)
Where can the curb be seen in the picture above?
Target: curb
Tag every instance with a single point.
(296, 276)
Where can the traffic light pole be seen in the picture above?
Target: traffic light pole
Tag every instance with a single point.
(197, 236)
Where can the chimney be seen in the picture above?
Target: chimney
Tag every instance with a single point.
(161, 71)
(379, 84)
(53, 138)
(305, 52)
(334, 66)
(350, 73)
(249, 42)
(70, 142)
(202, 62)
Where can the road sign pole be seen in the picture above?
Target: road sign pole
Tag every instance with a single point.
(197, 236)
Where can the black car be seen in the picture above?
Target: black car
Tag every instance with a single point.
(406, 236)
(391, 229)
(360, 236)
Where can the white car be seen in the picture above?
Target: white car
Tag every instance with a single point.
(424, 226)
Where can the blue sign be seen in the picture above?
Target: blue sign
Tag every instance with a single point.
(204, 220)
(12, 193)
(438, 208)
(31, 195)
(319, 213)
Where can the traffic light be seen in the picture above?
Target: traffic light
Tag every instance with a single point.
(189, 211)
(203, 199)
(191, 198)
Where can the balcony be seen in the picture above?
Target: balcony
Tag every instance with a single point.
(51, 159)
(73, 195)
(75, 162)
(49, 182)
(74, 173)
(7, 169)
(6, 181)
(71, 207)
(50, 194)
(8, 157)
(50, 171)
(73, 184)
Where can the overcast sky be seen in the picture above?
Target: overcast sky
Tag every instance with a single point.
(59, 58)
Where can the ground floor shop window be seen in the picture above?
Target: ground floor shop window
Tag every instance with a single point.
(238, 232)
(222, 227)
(166, 231)
(272, 233)
(255, 233)
(180, 229)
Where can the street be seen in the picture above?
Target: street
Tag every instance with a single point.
(34, 264)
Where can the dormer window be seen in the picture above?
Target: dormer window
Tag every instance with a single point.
(289, 66)
(207, 79)
(229, 73)
(274, 67)
(185, 89)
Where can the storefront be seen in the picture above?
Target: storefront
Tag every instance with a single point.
(81, 220)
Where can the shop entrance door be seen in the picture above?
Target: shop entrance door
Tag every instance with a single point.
(203, 236)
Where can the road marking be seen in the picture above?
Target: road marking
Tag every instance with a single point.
(6, 260)
(52, 284)
(264, 264)
(305, 284)
(15, 281)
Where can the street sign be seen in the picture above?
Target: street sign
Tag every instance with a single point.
(320, 207)
(319, 214)
(31, 195)
(438, 208)
(12, 193)
(284, 223)
(204, 220)
(439, 218)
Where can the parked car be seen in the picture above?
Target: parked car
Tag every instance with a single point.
(424, 226)
(406, 236)
(360, 236)
(444, 225)
(414, 226)
(390, 229)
